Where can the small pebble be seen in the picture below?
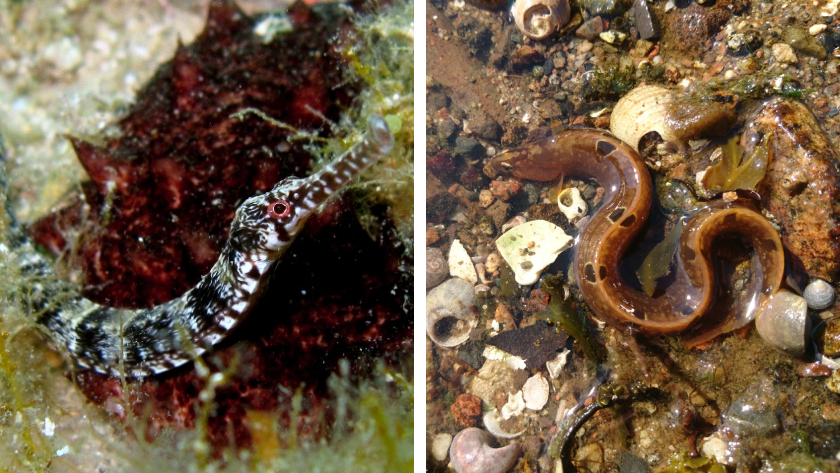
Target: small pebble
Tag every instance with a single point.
(784, 53)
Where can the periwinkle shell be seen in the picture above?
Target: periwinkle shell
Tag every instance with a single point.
(783, 323)
(819, 295)
(471, 452)
(449, 319)
(436, 267)
(538, 19)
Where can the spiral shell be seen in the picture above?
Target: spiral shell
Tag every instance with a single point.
(471, 452)
(819, 295)
(784, 324)
(677, 119)
(449, 319)
(538, 19)
(643, 110)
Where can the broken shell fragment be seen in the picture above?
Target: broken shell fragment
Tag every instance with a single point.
(577, 208)
(537, 19)
(535, 392)
(492, 420)
(460, 264)
(514, 406)
(819, 295)
(528, 261)
(471, 452)
(650, 108)
(784, 324)
(449, 319)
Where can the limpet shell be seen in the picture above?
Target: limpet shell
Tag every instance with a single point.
(538, 19)
(784, 324)
(530, 247)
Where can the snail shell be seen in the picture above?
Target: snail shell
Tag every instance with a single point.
(537, 19)
(449, 319)
(784, 324)
(643, 110)
(677, 119)
(819, 295)
(471, 452)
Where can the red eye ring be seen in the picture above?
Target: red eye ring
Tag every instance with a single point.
(280, 209)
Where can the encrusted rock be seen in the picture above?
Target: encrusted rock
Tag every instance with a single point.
(801, 41)
(485, 198)
(828, 337)
(525, 56)
(833, 382)
(802, 186)
(466, 410)
(505, 189)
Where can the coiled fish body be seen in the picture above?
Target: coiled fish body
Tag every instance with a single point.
(151, 341)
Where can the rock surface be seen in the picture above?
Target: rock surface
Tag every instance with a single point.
(802, 186)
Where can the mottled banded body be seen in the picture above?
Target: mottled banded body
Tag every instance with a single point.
(601, 245)
(151, 341)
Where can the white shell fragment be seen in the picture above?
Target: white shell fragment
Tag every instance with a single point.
(449, 319)
(460, 264)
(514, 406)
(513, 361)
(535, 392)
(492, 420)
(819, 295)
(577, 208)
(642, 110)
(530, 247)
(556, 365)
(784, 324)
(440, 446)
(538, 19)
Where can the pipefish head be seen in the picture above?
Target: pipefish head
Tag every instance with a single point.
(266, 224)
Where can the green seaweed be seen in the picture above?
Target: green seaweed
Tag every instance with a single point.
(658, 262)
(731, 172)
(570, 320)
(609, 82)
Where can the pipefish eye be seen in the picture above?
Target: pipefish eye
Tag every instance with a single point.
(279, 209)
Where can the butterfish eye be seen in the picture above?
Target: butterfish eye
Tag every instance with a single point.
(279, 209)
